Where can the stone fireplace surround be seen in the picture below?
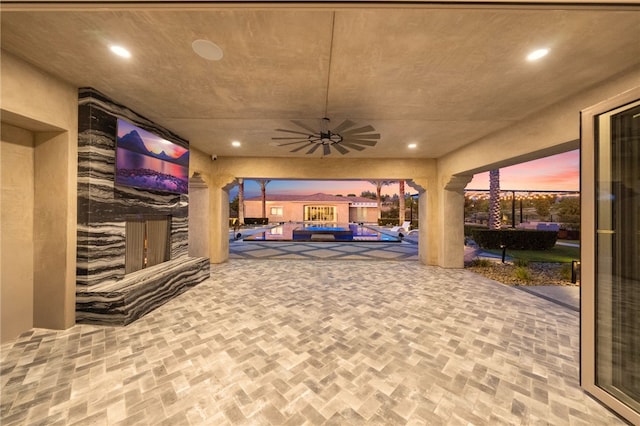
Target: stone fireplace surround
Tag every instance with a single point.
(104, 294)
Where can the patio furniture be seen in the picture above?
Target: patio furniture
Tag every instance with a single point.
(404, 227)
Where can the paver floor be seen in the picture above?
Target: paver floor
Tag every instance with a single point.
(312, 342)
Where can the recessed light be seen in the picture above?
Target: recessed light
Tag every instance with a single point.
(120, 51)
(412, 145)
(207, 49)
(537, 54)
(235, 143)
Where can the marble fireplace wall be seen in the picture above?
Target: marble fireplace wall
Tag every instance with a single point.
(103, 207)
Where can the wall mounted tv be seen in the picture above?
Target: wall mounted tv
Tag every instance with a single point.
(147, 161)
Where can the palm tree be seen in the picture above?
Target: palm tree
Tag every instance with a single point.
(263, 191)
(494, 199)
(379, 184)
(401, 209)
(240, 202)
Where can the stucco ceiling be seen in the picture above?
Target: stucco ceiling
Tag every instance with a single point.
(441, 77)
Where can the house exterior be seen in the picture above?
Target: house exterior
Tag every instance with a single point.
(313, 208)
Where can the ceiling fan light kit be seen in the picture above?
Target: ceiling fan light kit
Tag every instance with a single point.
(342, 138)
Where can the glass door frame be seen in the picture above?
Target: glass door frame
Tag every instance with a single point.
(588, 174)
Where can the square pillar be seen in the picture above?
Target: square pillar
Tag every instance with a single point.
(445, 240)
(219, 218)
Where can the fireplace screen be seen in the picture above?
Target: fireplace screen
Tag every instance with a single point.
(147, 242)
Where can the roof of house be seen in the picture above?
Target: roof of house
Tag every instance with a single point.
(319, 197)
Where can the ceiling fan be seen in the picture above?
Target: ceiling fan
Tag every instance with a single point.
(341, 138)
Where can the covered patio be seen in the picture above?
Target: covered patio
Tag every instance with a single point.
(335, 342)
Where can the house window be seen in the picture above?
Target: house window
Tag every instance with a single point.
(277, 211)
(361, 214)
(320, 213)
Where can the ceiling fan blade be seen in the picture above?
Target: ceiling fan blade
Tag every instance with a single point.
(326, 150)
(313, 148)
(304, 126)
(292, 131)
(293, 143)
(341, 149)
(360, 130)
(301, 147)
(360, 142)
(343, 126)
(362, 136)
(356, 147)
(288, 137)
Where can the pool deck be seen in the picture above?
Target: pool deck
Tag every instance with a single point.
(407, 250)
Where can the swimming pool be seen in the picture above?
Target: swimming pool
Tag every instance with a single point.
(325, 232)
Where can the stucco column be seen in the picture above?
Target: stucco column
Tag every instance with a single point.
(420, 185)
(452, 221)
(198, 216)
(219, 218)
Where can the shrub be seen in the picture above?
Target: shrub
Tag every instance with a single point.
(515, 239)
(482, 263)
(469, 228)
(522, 273)
(521, 262)
(565, 271)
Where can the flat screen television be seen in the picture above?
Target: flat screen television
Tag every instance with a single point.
(147, 161)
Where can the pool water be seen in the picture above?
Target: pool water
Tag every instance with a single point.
(299, 231)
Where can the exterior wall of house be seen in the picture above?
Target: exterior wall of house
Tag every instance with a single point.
(365, 215)
(35, 102)
(293, 211)
(17, 206)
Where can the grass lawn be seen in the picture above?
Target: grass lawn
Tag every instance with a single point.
(569, 241)
(558, 254)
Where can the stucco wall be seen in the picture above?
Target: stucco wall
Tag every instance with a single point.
(36, 101)
(199, 202)
(370, 215)
(16, 228)
(199, 162)
(551, 131)
(327, 168)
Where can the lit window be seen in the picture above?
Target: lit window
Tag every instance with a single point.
(276, 211)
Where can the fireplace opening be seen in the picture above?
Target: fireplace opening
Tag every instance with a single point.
(147, 242)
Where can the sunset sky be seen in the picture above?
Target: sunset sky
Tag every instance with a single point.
(557, 173)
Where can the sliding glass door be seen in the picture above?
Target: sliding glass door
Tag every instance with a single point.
(611, 286)
(320, 213)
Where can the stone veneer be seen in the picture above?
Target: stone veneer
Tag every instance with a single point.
(122, 302)
(103, 209)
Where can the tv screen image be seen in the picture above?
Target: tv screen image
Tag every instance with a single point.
(147, 161)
